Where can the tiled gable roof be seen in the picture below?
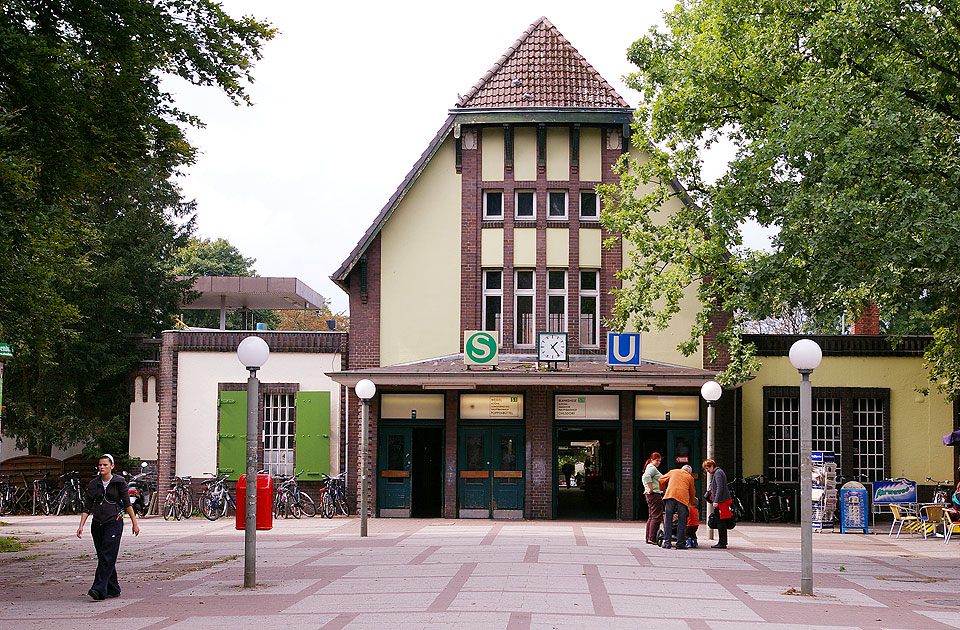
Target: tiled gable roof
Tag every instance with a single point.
(542, 69)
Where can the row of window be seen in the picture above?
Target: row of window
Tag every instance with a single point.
(525, 297)
(783, 436)
(525, 205)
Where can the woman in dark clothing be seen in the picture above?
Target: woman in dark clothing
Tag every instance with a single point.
(720, 498)
(106, 500)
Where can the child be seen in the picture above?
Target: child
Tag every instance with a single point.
(693, 522)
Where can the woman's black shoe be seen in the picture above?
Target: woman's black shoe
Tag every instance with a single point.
(95, 595)
(719, 547)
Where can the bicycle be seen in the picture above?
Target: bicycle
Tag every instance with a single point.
(283, 502)
(215, 498)
(178, 502)
(943, 491)
(42, 493)
(13, 497)
(71, 495)
(334, 496)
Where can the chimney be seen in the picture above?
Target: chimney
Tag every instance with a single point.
(869, 322)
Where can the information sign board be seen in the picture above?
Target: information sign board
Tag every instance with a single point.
(853, 510)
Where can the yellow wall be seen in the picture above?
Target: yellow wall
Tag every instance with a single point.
(661, 345)
(558, 154)
(590, 164)
(590, 248)
(558, 247)
(491, 148)
(420, 266)
(491, 247)
(525, 247)
(525, 154)
(917, 423)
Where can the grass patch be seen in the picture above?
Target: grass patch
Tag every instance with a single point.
(10, 543)
(4, 524)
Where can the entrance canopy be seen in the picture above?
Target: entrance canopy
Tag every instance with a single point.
(451, 373)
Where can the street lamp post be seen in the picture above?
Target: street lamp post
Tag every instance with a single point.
(365, 390)
(805, 355)
(252, 352)
(711, 392)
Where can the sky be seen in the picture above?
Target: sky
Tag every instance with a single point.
(346, 98)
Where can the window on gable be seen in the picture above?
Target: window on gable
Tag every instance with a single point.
(524, 295)
(493, 204)
(493, 301)
(589, 300)
(526, 201)
(588, 206)
(557, 204)
(556, 301)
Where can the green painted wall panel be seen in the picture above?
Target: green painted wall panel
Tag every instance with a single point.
(232, 435)
(312, 438)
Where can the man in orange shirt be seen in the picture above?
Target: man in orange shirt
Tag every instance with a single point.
(679, 494)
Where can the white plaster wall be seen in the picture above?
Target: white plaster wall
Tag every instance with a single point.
(8, 449)
(144, 420)
(199, 374)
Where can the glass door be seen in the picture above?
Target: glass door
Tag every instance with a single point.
(508, 466)
(474, 467)
(395, 465)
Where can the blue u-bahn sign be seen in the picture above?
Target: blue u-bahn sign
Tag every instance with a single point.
(623, 349)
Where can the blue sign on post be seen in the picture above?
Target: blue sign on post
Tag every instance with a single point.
(853, 510)
(623, 349)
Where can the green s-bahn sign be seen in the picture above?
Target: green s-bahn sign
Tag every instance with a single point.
(480, 348)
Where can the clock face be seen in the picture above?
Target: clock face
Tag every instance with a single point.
(552, 347)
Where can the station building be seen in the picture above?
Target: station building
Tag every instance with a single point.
(495, 229)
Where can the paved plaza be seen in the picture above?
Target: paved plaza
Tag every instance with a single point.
(408, 574)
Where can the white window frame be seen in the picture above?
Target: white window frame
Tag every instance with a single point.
(596, 205)
(557, 293)
(516, 205)
(517, 293)
(868, 433)
(488, 292)
(278, 433)
(486, 215)
(566, 205)
(595, 294)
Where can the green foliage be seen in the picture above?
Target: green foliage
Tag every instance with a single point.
(90, 213)
(846, 123)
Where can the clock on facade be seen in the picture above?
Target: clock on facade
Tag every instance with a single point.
(552, 346)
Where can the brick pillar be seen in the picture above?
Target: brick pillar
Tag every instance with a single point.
(539, 450)
(451, 413)
(611, 259)
(627, 480)
(471, 209)
(167, 428)
(353, 489)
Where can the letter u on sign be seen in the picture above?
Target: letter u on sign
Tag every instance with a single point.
(623, 348)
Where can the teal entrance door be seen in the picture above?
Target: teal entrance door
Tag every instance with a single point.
(491, 472)
(395, 465)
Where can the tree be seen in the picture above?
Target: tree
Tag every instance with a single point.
(845, 118)
(312, 320)
(90, 211)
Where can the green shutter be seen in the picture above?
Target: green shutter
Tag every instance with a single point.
(312, 438)
(232, 438)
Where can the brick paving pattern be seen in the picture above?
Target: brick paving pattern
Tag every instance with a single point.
(411, 574)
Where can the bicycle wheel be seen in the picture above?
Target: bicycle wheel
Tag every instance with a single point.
(63, 502)
(307, 505)
(295, 510)
(342, 505)
(279, 507)
(326, 505)
(208, 507)
(186, 504)
(171, 508)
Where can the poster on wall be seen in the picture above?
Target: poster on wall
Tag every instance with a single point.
(587, 407)
(491, 406)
